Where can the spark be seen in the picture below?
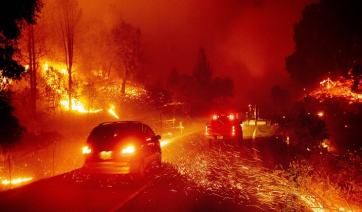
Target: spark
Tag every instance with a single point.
(223, 172)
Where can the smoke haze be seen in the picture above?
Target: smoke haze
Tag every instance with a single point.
(245, 40)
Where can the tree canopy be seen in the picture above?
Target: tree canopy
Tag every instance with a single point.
(14, 15)
(328, 41)
(200, 91)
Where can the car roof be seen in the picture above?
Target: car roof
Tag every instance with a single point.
(120, 122)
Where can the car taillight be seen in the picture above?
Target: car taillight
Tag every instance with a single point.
(214, 117)
(233, 132)
(128, 149)
(231, 117)
(86, 150)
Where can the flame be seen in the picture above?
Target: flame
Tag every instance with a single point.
(338, 89)
(16, 181)
(77, 106)
(111, 111)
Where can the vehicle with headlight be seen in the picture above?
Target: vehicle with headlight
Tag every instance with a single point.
(122, 147)
(224, 127)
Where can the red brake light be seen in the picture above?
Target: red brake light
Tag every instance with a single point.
(128, 149)
(214, 117)
(231, 117)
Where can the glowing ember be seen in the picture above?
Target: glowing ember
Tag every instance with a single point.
(16, 181)
(228, 173)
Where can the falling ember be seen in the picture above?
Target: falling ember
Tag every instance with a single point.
(228, 174)
(111, 111)
(16, 181)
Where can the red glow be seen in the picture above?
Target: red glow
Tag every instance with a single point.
(338, 89)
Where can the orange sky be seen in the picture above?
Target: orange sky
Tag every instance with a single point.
(246, 40)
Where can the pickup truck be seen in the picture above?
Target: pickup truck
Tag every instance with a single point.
(224, 127)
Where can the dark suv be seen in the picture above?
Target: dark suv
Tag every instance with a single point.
(123, 147)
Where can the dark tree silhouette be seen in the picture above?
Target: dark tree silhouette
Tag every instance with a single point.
(10, 129)
(280, 97)
(306, 131)
(199, 91)
(328, 40)
(14, 16)
(127, 48)
(203, 71)
(222, 89)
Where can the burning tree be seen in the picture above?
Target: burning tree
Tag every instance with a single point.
(127, 44)
(67, 17)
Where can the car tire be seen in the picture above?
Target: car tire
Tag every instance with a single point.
(236, 142)
(240, 140)
(159, 161)
(140, 172)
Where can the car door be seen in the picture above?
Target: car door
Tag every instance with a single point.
(153, 144)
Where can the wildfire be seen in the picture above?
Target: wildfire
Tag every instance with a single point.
(111, 111)
(16, 181)
(338, 89)
(77, 106)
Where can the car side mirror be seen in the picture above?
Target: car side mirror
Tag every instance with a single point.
(156, 137)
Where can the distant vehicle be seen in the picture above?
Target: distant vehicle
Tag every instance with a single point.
(122, 147)
(224, 127)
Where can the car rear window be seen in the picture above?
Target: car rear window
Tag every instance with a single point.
(222, 120)
(109, 133)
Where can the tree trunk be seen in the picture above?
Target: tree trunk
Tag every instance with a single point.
(32, 70)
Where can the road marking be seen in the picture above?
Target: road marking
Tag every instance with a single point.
(254, 133)
(119, 206)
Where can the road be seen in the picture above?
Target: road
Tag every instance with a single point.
(193, 178)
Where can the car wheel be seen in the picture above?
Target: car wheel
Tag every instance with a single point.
(236, 142)
(240, 140)
(141, 171)
(159, 161)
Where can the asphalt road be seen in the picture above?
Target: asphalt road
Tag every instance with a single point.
(193, 178)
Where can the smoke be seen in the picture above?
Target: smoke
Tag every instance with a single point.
(246, 40)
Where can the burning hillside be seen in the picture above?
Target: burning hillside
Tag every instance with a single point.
(338, 89)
